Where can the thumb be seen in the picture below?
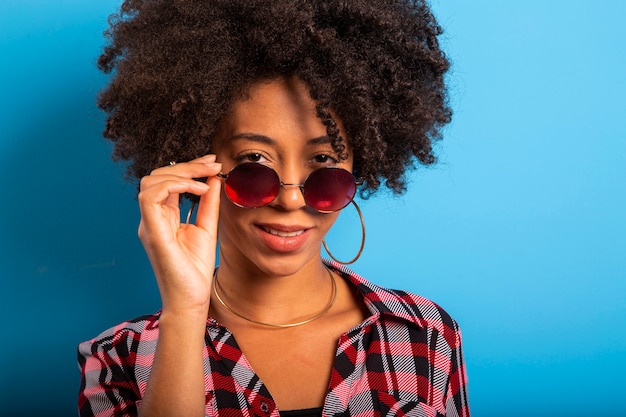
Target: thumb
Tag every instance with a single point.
(209, 207)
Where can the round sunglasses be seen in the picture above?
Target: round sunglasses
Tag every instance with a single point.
(253, 185)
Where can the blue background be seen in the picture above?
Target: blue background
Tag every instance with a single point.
(519, 231)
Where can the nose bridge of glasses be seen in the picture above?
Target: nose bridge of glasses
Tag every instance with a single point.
(284, 189)
(286, 194)
(288, 184)
(292, 173)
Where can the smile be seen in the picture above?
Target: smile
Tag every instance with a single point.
(281, 233)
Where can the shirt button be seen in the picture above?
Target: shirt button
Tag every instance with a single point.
(264, 407)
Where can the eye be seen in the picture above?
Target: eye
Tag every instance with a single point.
(251, 157)
(324, 159)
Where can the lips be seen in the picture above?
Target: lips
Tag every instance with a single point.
(283, 238)
(282, 233)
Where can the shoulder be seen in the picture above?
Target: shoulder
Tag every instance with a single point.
(115, 366)
(137, 336)
(397, 305)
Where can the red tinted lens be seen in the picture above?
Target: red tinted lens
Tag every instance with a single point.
(252, 185)
(329, 189)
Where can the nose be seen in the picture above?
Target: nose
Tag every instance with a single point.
(290, 196)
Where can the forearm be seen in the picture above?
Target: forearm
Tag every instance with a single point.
(176, 384)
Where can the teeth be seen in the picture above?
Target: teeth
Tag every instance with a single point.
(283, 234)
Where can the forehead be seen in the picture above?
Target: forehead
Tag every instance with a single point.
(275, 107)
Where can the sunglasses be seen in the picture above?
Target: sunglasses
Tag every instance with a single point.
(253, 185)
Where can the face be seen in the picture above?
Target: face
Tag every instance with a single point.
(275, 125)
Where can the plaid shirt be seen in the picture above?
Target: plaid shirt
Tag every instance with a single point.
(403, 360)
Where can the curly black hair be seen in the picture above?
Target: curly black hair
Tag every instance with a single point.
(178, 65)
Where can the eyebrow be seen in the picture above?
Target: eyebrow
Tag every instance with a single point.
(269, 141)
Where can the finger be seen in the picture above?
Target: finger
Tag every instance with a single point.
(167, 193)
(209, 207)
(160, 212)
(206, 158)
(202, 167)
(153, 181)
(203, 159)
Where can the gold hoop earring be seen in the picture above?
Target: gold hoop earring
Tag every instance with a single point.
(353, 260)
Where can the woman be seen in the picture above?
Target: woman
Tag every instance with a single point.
(269, 115)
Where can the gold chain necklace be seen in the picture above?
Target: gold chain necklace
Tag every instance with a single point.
(300, 323)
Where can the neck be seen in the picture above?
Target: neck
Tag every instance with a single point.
(272, 295)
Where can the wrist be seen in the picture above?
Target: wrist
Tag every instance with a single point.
(186, 318)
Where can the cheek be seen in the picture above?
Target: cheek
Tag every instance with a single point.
(327, 221)
(230, 215)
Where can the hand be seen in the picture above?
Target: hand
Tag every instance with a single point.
(182, 255)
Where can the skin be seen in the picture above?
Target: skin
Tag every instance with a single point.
(269, 278)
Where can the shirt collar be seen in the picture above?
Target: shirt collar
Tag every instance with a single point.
(381, 301)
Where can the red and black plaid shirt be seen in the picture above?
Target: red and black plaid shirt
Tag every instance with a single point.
(403, 360)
